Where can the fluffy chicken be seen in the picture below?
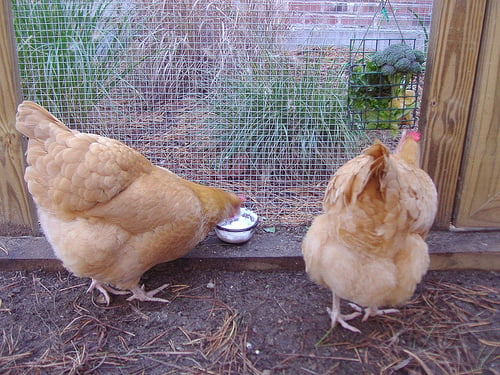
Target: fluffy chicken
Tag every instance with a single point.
(109, 213)
(368, 246)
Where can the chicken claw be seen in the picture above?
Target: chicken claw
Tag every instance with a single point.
(337, 317)
(104, 289)
(372, 311)
(140, 294)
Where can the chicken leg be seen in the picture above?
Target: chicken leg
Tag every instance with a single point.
(372, 311)
(337, 317)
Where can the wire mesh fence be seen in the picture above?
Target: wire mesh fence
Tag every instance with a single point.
(248, 96)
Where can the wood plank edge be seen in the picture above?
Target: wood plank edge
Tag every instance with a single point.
(439, 262)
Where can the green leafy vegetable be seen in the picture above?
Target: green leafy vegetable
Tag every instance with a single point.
(378, 86)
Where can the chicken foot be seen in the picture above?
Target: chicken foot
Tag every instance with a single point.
(372, 311)
(137, 292)
(140, 294)
(105, 290)
(337, 317)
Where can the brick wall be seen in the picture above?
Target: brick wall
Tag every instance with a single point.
(360, 13)
(323, 22)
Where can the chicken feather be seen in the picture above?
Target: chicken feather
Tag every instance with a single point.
(109, 213)
(368, 246)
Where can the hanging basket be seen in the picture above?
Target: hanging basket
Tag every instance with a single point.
(383, 89)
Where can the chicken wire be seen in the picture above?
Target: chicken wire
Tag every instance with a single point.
(248, 96)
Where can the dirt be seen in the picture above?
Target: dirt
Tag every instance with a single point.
(221, 322)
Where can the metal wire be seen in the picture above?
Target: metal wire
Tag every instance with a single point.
(248, 96)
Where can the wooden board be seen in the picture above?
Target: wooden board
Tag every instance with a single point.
(478, 203)
(270, 251)
(16, 210)
(450, 76)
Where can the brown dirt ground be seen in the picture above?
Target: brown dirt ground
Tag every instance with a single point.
(222, 322)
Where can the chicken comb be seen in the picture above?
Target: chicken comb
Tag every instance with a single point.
(243, 199)
(414, 134)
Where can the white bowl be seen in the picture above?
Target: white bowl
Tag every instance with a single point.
(238, 229)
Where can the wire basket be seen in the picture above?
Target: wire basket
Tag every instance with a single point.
(375, 100)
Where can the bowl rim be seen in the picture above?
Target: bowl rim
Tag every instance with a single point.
(239, 230)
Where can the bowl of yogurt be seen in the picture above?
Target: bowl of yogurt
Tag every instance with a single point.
(238, 229)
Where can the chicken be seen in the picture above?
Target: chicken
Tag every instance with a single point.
(368, 246)
(109, 213)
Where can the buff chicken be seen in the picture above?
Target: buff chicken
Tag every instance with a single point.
(109, 213)
(368, 247)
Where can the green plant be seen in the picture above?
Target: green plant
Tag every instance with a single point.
(284, 116)
(70, 52)
(380, 87)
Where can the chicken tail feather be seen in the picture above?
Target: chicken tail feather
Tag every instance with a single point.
(36, 122)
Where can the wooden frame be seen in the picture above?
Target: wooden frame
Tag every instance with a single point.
(17, 214)
(454, 108)
(478, 198)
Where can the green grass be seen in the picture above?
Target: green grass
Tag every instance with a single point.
(288, 118)
(70, 52)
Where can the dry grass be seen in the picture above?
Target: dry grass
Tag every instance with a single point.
(440, 324)
(225, 348)
(184, 45)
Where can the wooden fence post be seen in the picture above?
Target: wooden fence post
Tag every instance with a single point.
(478, 196)
(16, 208)
(446, 101)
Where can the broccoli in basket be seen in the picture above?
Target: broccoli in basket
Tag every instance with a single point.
(379, 86)
(398, 60)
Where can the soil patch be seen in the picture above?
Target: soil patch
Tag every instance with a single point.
(221, 322)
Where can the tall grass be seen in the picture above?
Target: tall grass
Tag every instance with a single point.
(288, 118)
(189, 44)
(70, 52)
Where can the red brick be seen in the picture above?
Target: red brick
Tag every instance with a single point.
(337, 7)
(303, 6)
(360, 12)
(355, 21)
(314, 19)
